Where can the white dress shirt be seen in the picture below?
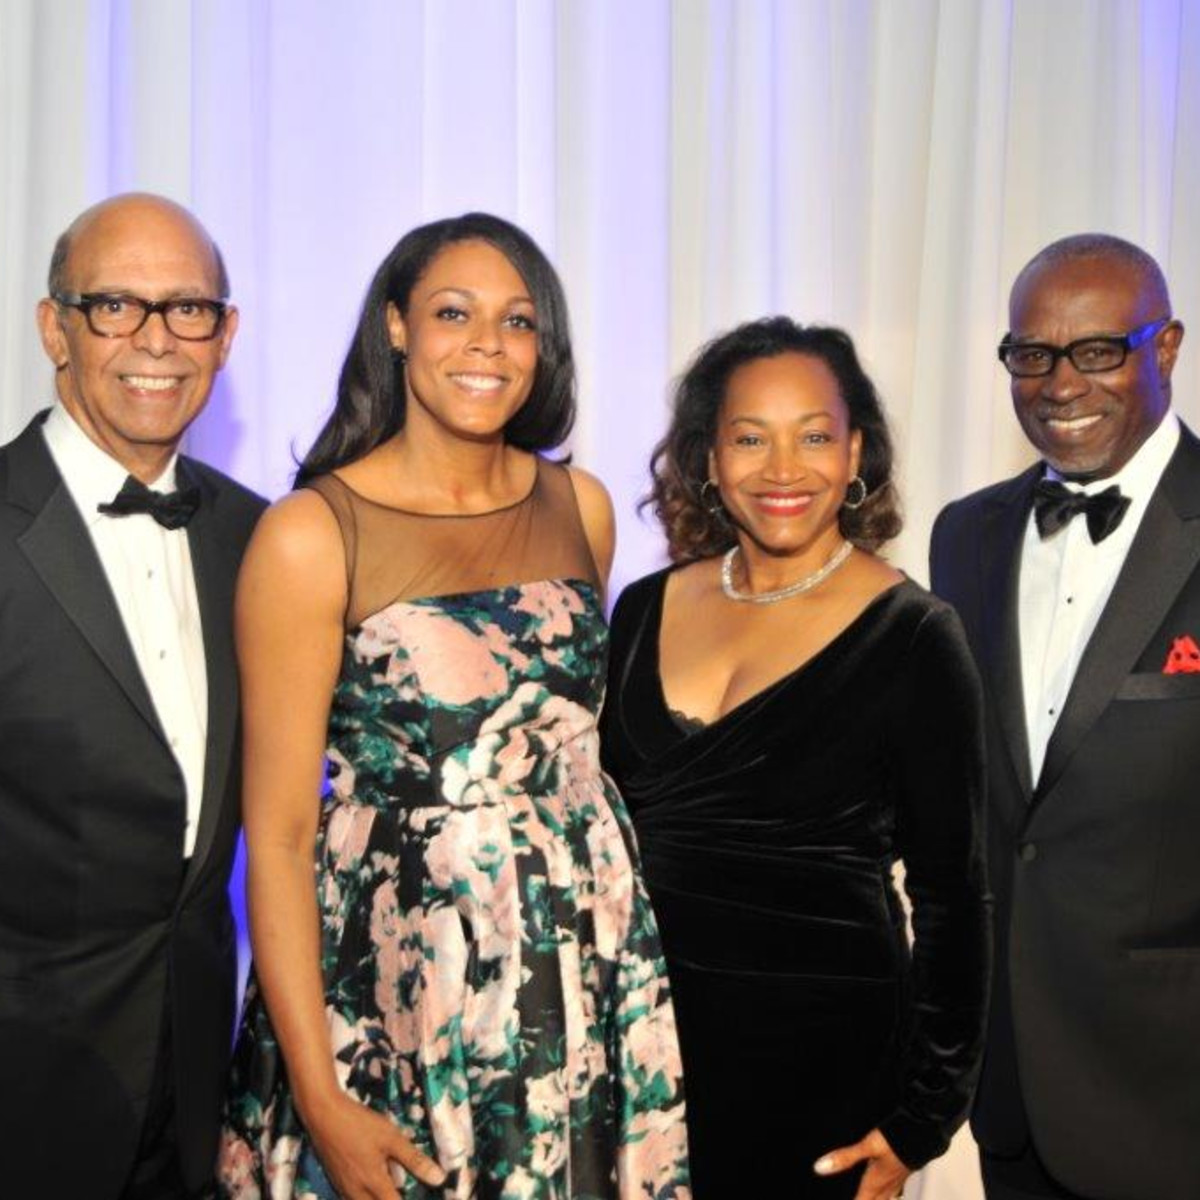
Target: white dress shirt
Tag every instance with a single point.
(1065, 582)
(149, 569)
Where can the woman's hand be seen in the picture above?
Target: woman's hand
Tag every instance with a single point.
(358, 1147)
(885, 1174)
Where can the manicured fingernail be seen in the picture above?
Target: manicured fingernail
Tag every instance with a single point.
(823, 1166)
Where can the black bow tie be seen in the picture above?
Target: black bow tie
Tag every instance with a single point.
(172, 510)
(1054, 505)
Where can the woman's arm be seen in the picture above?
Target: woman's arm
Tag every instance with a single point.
(289, 610)
(940, 825)
(938, 759)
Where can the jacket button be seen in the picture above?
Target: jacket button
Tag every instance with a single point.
(1028, 851)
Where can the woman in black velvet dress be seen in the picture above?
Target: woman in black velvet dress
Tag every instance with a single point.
(787, 715)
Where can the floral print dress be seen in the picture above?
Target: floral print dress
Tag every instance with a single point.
(492, 971)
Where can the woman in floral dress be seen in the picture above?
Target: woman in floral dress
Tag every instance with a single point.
(472, 1000)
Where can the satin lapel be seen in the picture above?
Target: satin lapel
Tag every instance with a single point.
(214, 566)
(60, 550)
(1165, 552)
(999, 576)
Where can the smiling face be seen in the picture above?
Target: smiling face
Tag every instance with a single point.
(784, 454)
(1088, 426)
(469, 335)
(135, 396)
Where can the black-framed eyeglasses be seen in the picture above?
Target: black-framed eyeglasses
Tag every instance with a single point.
(1102, 352)
(113, 315)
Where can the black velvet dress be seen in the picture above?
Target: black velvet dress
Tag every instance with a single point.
(768, 840)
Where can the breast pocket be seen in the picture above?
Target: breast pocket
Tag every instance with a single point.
(1153, 685)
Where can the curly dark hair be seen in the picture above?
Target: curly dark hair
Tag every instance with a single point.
(371, 396)
(679, 464)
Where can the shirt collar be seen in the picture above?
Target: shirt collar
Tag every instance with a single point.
(92, 476)
(1140, 475)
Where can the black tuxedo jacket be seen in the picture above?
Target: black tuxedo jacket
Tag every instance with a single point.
(1094, 1037)
(98, 921)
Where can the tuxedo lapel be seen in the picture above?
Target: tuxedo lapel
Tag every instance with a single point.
(60, 550)
(999, 576)
(1164, 553)
(214, 565)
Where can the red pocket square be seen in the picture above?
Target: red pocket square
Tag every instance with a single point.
(1184, 658)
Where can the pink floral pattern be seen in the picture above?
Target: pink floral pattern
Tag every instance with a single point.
(493, 977)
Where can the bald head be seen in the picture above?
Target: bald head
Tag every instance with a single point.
(135, 392)
(129, 212)
(1102, 250)
(1088, 421)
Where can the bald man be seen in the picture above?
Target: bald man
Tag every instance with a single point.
(1078, 583)
(118, 724)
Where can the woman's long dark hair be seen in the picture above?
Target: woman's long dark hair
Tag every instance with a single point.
(679, 464)
(371, 397)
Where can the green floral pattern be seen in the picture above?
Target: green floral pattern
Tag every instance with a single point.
(493, 975)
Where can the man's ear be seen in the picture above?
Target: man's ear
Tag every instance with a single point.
(1168, 349)
(228, 329)
(54, 339)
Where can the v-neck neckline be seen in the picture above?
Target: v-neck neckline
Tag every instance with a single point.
(763, 694)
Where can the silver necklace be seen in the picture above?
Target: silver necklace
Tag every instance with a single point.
(806, 584)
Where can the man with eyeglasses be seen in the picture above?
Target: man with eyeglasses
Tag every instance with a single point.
(1078, 583)
(118, 724)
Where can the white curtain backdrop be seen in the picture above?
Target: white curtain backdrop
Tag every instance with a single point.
(887, 165)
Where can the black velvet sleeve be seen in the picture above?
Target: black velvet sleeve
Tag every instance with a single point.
(939, 775)
(627, 628)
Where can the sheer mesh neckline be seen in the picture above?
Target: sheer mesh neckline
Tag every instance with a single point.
(448, 516)
(394, 554)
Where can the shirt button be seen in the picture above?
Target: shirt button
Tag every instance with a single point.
(1070, 599)
(162, 654)
(1028, 852)
(1052, 712)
